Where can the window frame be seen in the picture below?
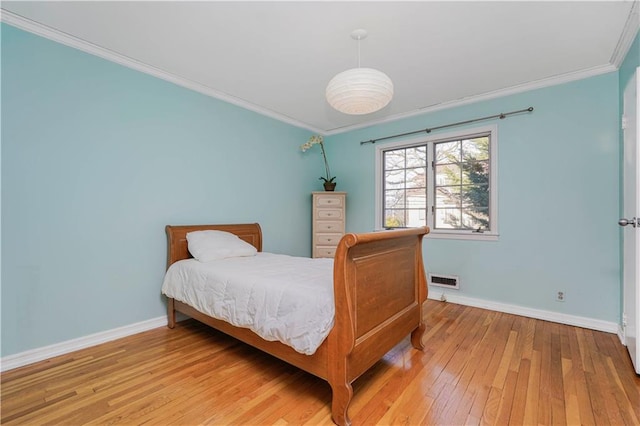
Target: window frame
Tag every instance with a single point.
(429, 141)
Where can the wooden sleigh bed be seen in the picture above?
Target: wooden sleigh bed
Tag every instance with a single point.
(379, 290)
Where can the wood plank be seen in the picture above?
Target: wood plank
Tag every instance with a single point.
(533, 391)
(520, 393)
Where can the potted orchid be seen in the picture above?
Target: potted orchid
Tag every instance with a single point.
(329, 181)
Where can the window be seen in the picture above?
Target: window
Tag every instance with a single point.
(448, 182)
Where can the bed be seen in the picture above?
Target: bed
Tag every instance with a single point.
(376, 305)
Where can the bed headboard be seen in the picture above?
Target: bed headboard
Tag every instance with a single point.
(177, 248)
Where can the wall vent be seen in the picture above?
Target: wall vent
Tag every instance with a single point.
(448, 281)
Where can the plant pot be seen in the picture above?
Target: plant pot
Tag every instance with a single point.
(329, 186)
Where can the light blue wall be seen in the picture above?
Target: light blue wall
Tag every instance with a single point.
(558, 199)
(96, 160)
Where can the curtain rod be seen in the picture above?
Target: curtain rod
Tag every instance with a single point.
(459, 123)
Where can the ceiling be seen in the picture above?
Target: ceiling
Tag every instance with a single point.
(276, 58)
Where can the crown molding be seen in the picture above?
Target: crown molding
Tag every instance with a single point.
(628, 35)
(520, 88)
(622, 48)
(87, 47)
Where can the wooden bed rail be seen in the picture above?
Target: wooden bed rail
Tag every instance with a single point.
(379, 289)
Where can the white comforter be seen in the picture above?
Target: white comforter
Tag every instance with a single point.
(279, 297)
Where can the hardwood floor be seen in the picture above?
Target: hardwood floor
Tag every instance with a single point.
(480, 367)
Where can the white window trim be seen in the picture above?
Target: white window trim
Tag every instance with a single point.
(493, 185)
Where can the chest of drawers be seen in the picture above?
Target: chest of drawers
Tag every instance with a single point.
(328, 222)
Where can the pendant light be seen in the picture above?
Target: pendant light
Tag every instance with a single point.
(359, 91)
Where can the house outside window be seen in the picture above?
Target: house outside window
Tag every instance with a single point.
(447, 182)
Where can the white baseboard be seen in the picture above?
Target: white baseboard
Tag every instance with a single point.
(621, 336)
(34, 355)
(584, 322)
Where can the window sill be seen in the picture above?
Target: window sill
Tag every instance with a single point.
(474, 236)
(443, 235)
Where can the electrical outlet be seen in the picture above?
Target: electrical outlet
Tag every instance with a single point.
(560, 296)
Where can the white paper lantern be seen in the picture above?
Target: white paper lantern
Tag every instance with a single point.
(359, 91)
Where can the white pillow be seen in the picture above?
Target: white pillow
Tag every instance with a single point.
(209, 245)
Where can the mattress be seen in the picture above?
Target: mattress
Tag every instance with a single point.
(279, 297)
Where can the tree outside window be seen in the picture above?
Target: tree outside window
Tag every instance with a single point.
(462, 184)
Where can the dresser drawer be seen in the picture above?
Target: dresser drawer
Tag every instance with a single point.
(326, 226)
(328, 239)
(329, 201)
(324, 251)
(327, 222)
(334, 214)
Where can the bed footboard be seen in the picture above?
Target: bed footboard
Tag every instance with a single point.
(380, 287)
